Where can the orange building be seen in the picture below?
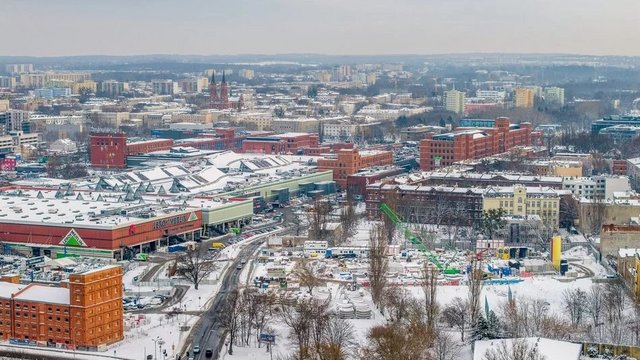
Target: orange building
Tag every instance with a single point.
(473, 143)
(83, 313)
(347, 162)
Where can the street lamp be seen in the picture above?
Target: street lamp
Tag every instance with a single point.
(155, 347)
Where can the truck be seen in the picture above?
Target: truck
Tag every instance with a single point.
(176, 248)
(217, 246)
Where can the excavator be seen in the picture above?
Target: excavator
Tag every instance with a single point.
(415, 240)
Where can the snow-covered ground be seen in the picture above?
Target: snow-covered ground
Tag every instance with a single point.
(549, 288)
(147, 334)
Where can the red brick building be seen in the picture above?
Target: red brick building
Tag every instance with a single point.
(349, 161)
(473, 143)
(83, 313)
(326, 149)
(110, 150)
(358, 182)
(288, 143)
(618, 167)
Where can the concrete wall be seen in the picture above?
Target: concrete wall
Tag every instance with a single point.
(613, 240)
(230, 212)
(266, 190)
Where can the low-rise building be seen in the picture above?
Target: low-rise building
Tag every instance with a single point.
(288, 143)
(301, 125)
(613, 238)
(524, 201)
(597, 187)
(347, 162)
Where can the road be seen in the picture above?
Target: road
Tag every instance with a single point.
(209, 332)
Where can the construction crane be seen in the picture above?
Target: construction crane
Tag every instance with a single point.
(415, 240)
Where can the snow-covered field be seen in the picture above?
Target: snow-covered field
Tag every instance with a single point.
(549, 288)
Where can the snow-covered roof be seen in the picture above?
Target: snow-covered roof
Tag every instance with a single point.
(7, 289)
(55, 295)
(549, 349)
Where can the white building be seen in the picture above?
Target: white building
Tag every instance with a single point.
(491, 95)
(554, 95)
(339, 131)
(315, 248)
(63, 146)
(596, 186)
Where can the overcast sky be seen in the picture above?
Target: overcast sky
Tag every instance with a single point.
(209, 27)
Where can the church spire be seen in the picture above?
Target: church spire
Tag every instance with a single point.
(213, 77)
(223, 80)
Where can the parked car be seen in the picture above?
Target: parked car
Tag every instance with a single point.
(196, 349)
(208, 353)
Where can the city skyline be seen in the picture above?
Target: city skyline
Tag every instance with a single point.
(357, 27)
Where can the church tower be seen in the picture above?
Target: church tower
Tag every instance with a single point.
(224, 93)
(214, 100)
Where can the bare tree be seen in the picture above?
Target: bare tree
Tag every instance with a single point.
(338, 340)
(307, 322)
(596, 213)
(517, 349)
(319, 218)
(307, 277)
(349, 220)
(399, 305)
(453, 223)
(195, 265)
(392, 199)
(430, 288)
(615, 305)
(456, 315)
(445, 347)
(294, 220)
(397, 341)
(537, 311)
(231, 315)
(378, 264)
(476, 280)
(594, 307)
(299, 321)
(634, 326)
(574, 304)
(513, 321)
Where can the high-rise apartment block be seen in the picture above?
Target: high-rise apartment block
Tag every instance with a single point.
(113, 88)
(18, 68)
(524, 98)
(162, 87)
(554, 95)
(454, 101)
(248, 74)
